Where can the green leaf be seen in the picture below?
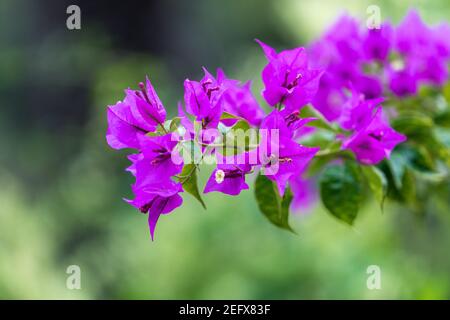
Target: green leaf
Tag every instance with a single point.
(446, 92)
(324, 156)
(443, 119)
(417, 156)
(154, 134)
(241, 125)
(321, 124)
(377, 182)
(408, 190)
(341, 190)
(443, 136)
(174, 124)
(397, 165)
(275, 208)
(320, 138)
(160, 130)
(403, 178)
(320, 121)
(227, 115)
(438, 146)
(415, 125)
(188, 177)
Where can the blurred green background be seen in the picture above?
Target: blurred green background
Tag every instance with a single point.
(61, 187)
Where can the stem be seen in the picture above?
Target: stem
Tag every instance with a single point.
(162, 127)
(188, 176)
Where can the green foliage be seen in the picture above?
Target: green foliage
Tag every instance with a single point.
(417, 156)
(173, 124)
(377, 182)
(274, 207)
(226, 115)
(408, 190)
(188, 178)
(402, 186)
(415, 125)
(397, 165)
(319, 121)
(443, 119)
(341, 190)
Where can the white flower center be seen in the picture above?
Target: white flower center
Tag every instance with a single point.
(219, 176)
(398, 65)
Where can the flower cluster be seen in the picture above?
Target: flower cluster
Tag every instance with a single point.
(379, 61)
(371, 63)
(130, 121)
(338, 87)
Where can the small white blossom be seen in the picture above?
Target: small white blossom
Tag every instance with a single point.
(398, 65)
(219, 176)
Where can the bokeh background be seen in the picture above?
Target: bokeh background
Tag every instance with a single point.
(61, 187)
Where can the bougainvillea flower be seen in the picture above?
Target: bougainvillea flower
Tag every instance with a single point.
(121, 132)
(377, 43)
(276, 120)
(432, 69)
(239, 100)
(412, 35)
(185, 122)
(156, 199)
(140, 112)
(202, 98)
(402, 82)
(286, 122)
(329, 98)
(292, 160)
(346, 37)
(228, 177)
(441, 40)
(339, 52)
(426, 49)
(287, 78)
(134, 158)
(222, 82)
(159, 161)
(357, 112)
(293, 120)
(280, 156)
(370, 86)
(197, 99)
(342, 55)
(322, 54)
(374, 142)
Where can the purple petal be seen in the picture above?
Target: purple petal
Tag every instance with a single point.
(268, 50)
